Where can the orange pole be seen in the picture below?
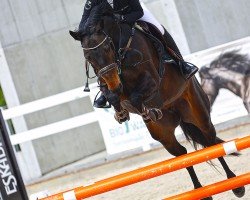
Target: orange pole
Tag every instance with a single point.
(149, 172)
(212, 189)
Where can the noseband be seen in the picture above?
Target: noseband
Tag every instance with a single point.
(107, 69)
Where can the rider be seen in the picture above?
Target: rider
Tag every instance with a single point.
(129, 11)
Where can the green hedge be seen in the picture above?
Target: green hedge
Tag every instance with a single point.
(2, 100)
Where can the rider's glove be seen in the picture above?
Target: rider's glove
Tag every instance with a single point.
(119, 18)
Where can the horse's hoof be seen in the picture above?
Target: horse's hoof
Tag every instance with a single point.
(122, 120)
(239, 192)
(208, 198)
(122, 116)
(155, 114)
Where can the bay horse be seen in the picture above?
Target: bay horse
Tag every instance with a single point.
(231, 71)
(131, 81)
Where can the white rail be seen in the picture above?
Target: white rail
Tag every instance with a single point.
(46, 103)
(54, 128)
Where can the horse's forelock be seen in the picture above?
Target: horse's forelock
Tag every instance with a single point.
(97, 13)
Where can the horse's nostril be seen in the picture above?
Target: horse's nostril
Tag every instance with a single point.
(121, 88)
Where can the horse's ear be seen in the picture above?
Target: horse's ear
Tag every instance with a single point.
(76, 35)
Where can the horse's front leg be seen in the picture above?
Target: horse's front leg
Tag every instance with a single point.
(144, 89)
(121, 114)
(148, 114)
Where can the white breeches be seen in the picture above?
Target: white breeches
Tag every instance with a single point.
(149, 17)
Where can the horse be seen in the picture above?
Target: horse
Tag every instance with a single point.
(231, 71)
(132, 83)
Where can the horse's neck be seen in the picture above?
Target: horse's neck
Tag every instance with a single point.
(120, 35)
(231, 80)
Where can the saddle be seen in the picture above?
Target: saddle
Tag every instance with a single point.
(153, 34)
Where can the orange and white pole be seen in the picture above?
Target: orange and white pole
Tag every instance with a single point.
(154, 170)
(213, 189)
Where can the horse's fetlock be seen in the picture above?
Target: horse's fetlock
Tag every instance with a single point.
(155, 114)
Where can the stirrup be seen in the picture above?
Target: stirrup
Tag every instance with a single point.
(102, 106)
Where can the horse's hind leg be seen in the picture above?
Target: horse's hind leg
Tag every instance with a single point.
(239, 192)
(163, 131)
(206, 134)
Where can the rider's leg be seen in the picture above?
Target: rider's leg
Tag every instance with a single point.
(149, 17)
(171, 43)
(188, 70)
(101, 102)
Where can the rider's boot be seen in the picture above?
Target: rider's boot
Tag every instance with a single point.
(187, 69)
(101, 102)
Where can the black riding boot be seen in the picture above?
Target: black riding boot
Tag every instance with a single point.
(101, 102)
(187, 69)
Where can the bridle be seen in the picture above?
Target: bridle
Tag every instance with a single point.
(119, 56)
(109, 67)
(97, 46)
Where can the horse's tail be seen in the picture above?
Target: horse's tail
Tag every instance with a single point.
(195, 136)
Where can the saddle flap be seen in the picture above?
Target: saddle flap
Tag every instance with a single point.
(158, 44)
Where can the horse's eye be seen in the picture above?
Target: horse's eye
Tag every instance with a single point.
(106, 46)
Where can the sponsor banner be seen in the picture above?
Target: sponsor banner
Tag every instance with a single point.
(11, 184)
(122, 137)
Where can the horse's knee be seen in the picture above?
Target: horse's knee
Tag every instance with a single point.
(207, 128)
(136, 99)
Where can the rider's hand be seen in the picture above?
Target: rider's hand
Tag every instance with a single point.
(119, 18)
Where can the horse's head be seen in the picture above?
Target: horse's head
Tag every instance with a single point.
(208, 83)
(98, 46)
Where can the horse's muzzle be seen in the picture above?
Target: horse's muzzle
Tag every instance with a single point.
(118, 90)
